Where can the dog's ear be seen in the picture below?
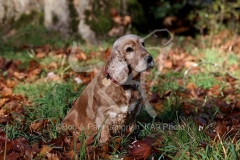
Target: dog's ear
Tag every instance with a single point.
(117, 66)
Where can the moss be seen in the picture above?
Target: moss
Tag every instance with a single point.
(136, 11)
(34, 17)
(73, 16)
(99, 17)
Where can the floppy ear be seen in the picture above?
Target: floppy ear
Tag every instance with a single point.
(117, 67)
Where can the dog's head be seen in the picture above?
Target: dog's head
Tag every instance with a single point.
(128, 52)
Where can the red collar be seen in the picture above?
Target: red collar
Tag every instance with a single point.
(125, 87)
(109, 77)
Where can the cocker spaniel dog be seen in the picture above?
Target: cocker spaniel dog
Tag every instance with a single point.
(112, 100)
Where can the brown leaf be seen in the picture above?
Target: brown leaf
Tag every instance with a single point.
(107, 53)
(83, 56)
(158, 107)
(221, 129)
(2, 101)
(225, 107)
(11, 83)
(189, 64)
(39, 125)
(70, 155)
(191, 86)
(21, 145)
(104, 150)
(40, 54)
(214, 90)
(34, 72)
(139, 150)
(193, 89)
(154, 97)
(3, 120)
(52, 65)
(117, 19)
(35, 148)
(51, 156)
(45, 149)
(126, 20)
(19, 75)
(235, 118)
(2, 143)
(90, 140)
(56, 142)
(6, 92)
(168, 64)
(11, 156)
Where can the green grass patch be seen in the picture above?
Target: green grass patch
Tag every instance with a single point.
(188, 142)
(50, 102)
(56, 99)
(35, 35)
(167, 82)
(33, 90)
(171, 109)
(203, 80)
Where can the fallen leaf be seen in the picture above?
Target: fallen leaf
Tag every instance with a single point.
(40, 54)
(21, 145)
(154, 97)
(2, 101)
(6, 92)
(11, 156)
(193, 89)
(37, 126)
(90, 139)
(11, 83)
(168, 64)
(83, 56)
(3, 119)
(35, 148)
(19, 75)
(70, 154)
(45, 149)
(189, 64)
(221, 129)
(139, 149)
(107, 53)
(52, 65)
(51, 156)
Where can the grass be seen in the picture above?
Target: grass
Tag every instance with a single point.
(47, 100)
(203, 80)
(33, 90)
(171, 109)
(35, 35)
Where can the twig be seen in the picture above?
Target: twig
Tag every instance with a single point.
(5, 149)
(224, 150)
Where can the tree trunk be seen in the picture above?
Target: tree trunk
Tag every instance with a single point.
(13, 9)
(56, 15)
(57, 9)
(83, 29)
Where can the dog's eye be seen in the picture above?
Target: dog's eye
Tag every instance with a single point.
(143, 44)
(129, 49)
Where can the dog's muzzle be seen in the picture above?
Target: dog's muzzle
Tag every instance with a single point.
(150, 62)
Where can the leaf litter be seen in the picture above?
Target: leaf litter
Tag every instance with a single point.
(217, 106)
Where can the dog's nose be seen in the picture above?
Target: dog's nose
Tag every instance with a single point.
(149, 59)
